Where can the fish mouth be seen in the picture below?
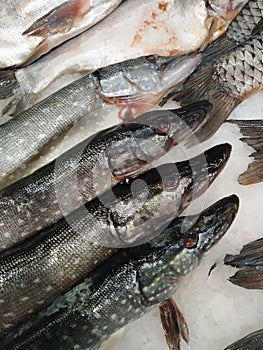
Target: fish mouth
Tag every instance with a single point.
(216, 220)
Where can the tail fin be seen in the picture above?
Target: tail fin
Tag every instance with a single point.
(252, 131)
(249, 277)
(8, 83)
(204, 85)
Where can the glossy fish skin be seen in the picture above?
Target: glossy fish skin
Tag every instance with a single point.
(37, 27)
(91, 167)
(253, 341)
(129, 214)
(252, 131)
(126, 286)
(225, 82)
(250, 265)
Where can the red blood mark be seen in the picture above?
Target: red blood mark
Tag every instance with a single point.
(163, 6)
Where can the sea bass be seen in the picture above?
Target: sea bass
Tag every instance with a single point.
(27, 135)
(252, 131)
(163, 28)
(31, 28)
(40, 269)
(225, 82)
(91, 167)
(250, 264)
(253, 341)
(126, 286)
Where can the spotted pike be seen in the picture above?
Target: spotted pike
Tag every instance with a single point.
(31, 28)
(126, 286)
(250, 265)
(252, 131)
(90, 168)
(42, 268)
(253, 341)
(225, 82)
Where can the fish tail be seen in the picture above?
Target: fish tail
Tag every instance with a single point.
(8, 83)
(204, 85)
(249, 277)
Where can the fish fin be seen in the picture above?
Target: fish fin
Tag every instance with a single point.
(217, 48)
(173, 323)
(249, 255)
(132, 171)
(59, 20)
(8, 83)
(249, 277)
(204, 85)
(258, 28)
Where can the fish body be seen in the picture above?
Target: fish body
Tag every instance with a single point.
(37, 27)
(225, 82)
(153, 28)
(252, 131)
(250, 265)
(90, 168)
(126, 286)
(253, 341)
(40, 269)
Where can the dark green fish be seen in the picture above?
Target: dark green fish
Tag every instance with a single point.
(252, 131)
(42, 268)
(91, 167)
(250, 265)
(253, 341)
(126, 286)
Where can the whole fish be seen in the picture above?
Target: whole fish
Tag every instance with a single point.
(225, 82)
(253, 341)
(252, 131)
(91, 167)
(164, 28)
(239, 30)
(23, 138)
(250, 264)
(29, 29)
(126, 286)
(40, 269)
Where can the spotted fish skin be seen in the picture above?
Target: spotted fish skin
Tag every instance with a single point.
(253, 341)
(126, 286)
(40, 269)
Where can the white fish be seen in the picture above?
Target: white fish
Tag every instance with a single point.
(30, 28)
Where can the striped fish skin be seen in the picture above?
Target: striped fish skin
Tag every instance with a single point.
(40, 269)
(126, 286)
(253, 341)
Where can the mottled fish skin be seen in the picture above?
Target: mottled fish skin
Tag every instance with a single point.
(239, 30)
(42, 268)
(252, 131)
(125, 286)
(90, 168)
(225, 82)
(29, 29)
(253, 341)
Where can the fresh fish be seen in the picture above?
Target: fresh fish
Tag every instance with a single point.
(126, 286)
(250, 264)
(252, 131)
(225, 82)
(40, 269)
(253, 341)
(31, 28)
(239, 30)
(153, 27)
(23, 138)
(90, 168)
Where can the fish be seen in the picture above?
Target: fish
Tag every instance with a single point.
(56, 114)
(90, 168)
(250, 265)
(125, 286)
(252, 341)
(239, 30)
(252, 131)
(50, 263)
(30, 29)
(154, 27)
(225, 82)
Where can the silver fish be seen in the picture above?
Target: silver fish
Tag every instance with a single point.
(29, 29)
(252, 341)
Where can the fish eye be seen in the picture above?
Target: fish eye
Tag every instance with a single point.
(191, 240)
(151, 58)
(163, 129)
(171, 183)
